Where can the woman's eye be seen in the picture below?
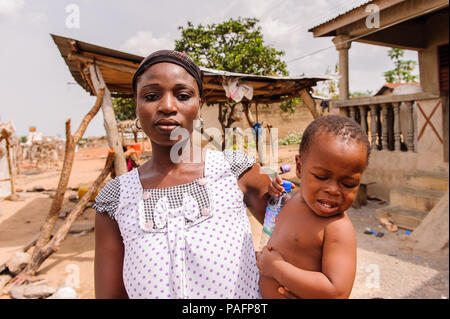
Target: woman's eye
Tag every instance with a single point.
(183, 97)
(151, 97)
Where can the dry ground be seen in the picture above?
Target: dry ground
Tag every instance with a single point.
(387, 266)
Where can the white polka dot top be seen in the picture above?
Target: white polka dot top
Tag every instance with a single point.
(187, 241)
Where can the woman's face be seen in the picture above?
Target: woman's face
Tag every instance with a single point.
(167, 98)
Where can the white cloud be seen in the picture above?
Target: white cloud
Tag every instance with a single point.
(143, 43)
(10, 7)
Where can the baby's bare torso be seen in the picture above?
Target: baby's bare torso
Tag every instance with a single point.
(298, 237)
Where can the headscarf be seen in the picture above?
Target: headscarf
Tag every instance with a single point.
(170, 56)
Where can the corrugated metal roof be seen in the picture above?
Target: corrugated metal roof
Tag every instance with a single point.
(118, 68)
(341, 12)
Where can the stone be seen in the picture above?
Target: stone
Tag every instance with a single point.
(64, 293)
(17, 262)
(38, 188)
(38, 291)
(16, 292)
(4, 279)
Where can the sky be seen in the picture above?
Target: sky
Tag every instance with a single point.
(38, 90)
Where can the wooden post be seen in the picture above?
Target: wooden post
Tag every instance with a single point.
(384, 112)
(309, 102)
(109, 117)
(396, 106)
(10, 167)
(58, 199)
(54, 244)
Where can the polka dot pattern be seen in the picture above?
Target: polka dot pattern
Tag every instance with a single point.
(211, 259)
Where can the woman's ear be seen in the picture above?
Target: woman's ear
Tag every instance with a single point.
(298, 166)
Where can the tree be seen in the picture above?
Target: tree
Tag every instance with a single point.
(124, 108)
(403, 68)
(236, 45)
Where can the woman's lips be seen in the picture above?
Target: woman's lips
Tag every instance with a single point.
(167, 126)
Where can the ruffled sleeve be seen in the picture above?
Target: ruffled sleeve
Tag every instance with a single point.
(107, 200)
(238, 161)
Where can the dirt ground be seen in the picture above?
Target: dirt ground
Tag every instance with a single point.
(387, 266)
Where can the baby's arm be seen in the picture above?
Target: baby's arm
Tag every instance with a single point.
(338, 266)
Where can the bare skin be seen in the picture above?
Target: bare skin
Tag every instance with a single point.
(167, 97)
(312, 252)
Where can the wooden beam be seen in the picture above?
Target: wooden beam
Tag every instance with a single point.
(309, 102)
(109, 117)
(102, 63)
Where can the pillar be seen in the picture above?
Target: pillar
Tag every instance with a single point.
(343, 44)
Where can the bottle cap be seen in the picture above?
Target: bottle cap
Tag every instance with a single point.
(287, 186)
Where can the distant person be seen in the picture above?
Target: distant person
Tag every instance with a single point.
(130, 159)
(312, 251)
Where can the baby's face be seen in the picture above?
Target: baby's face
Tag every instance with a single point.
(330, 173)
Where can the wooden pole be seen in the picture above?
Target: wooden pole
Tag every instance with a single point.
(309, 102)
(69, 156)
(110, 124)
(10, 167)
(54, 244)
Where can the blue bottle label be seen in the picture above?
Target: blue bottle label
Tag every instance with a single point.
(269, 221)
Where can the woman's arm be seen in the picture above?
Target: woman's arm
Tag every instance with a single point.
(338, 266)
(108, 263)
(255, 187)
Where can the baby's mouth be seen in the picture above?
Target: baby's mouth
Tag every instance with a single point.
(327, 203)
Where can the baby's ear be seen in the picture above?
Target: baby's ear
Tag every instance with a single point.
(298, 166)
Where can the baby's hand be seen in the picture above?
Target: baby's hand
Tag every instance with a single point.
(265, 260)
(276, 187)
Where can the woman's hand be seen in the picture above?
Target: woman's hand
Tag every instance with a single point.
(266, 260)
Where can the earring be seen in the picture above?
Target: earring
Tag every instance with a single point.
(199, 125)
(136, 123)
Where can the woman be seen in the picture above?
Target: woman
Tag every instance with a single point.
(178, 229)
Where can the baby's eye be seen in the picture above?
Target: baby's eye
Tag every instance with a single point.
(321, 178)
(348, 185)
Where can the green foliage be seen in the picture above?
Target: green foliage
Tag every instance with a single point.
(124, 108)
(290, 105)
(236, 45)
(360, 94)
(403, 68)
(293, 138)
(23, 139)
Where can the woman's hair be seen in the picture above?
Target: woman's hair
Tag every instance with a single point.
(340, 126)
(170, 56)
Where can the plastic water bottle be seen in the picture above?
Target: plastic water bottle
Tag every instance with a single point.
(273, 208)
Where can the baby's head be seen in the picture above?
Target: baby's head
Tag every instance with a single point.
(334, 153)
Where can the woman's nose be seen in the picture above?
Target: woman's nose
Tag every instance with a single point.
(167, 104)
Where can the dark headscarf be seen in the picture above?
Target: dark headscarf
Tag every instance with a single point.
(170, 56)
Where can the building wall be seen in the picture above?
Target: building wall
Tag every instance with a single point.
(389, 169)
(285, 122)
(437, 34)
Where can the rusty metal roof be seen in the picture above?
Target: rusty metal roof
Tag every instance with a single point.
(118, 68)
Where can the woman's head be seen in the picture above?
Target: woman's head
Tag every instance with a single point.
(167, 89)
(169, 56)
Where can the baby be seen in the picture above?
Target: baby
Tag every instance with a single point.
(312, 251)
